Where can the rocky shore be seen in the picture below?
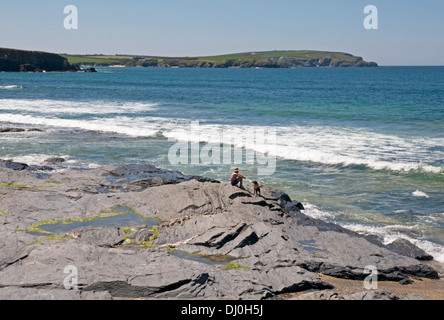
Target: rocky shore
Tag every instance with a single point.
(13, 60)
(136, 231)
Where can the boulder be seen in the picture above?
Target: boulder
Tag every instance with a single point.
(89, 70)
(17, 166)
(55, 160)
(406, 248)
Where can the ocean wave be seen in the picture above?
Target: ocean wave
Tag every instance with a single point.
(343, 147)
(119, 125)
(330, 146)
(34, 159)
(39, 160)
(61, 107)
(10, 87)
(357, 147)
(420, 194)
(317, 156)
(403, 211)
(313, 211)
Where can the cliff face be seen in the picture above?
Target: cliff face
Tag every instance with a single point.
(12, 60)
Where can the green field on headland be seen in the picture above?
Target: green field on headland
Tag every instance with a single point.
(99, 60)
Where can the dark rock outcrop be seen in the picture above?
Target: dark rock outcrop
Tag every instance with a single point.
(137, 231)
(17, 166)
(12, 60)
(5, 130)
(407, 248)
(92, 70)
(14, 130)
(55, 160)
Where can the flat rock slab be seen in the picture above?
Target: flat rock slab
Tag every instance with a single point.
(122, 228)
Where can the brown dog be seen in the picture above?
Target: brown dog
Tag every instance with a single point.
(257, 188)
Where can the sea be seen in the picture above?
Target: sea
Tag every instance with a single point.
(360, 147)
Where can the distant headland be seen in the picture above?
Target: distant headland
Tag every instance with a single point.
(12, 60)
(258, 59)
(34, 61)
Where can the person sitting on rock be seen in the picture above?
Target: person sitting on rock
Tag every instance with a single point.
(237, 178)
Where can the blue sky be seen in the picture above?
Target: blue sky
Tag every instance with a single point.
(411, 32)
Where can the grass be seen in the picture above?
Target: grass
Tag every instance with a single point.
(235, 266)
(300, 54)
(225, 57)
(304, 55)
(106, 60)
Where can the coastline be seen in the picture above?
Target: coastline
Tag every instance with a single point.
(258, 59)
(128, 227)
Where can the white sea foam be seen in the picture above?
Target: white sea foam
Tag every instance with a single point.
(39, 159)
(316, 144)
(58, 107)
(33, 159)
(313, 211)
(331, 146)
(121, 125)
(335, 146)
(10, 87)
(402, 211)
(420, 194)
